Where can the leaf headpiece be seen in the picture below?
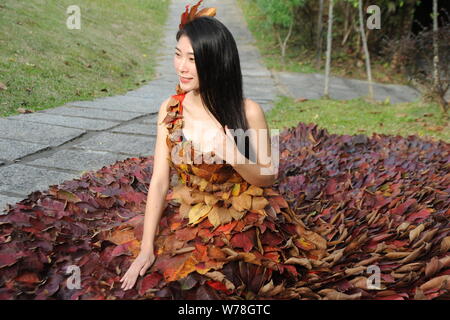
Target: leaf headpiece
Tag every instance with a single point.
(192, 14)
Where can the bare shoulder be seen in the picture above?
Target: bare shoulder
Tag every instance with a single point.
(254, 113)
(252, 106)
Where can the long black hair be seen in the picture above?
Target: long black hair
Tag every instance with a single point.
(219, 71)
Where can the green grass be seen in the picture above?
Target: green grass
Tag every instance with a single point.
(44, 64)
(301, 59)
(360, 117)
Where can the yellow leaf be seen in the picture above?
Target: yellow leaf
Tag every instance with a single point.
(226, 195)
(198, 212)
(254, 191)
(203, 184)
(236, 189)
(219, 215)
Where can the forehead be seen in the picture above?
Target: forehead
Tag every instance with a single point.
(184, 44)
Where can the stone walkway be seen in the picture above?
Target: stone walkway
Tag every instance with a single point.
(49, 147)
(311, 86)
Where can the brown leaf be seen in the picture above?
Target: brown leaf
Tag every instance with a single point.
(445, 245)
(23, 110)
(413, 234)
(438, 282)
(219, 215)
(242, 202)
(259, 203)
(300, 261)
(433, 267)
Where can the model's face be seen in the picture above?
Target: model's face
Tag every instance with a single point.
(184, 63)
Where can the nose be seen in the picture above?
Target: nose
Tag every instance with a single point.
(182, 65)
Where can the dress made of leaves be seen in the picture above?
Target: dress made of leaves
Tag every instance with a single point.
(227, 237)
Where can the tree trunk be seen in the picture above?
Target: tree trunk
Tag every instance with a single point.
(435, 46)
(329, 38)
(319, 35)
(366, 49)
(438, 87)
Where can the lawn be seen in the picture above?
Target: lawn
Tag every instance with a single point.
(43, 64)
(358, 116)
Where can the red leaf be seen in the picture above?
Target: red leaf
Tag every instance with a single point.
(150, 282)
(271, 238)
(218, 286)
(244, 240)
(419, 216)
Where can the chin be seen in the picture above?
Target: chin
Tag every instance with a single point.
(187, 88)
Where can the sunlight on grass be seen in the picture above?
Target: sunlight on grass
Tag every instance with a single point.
(44, 64)
(358, 116)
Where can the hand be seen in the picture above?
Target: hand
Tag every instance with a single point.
(229, 150)
(138, 267)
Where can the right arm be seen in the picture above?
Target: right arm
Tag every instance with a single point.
(159, 184)
(155, 206)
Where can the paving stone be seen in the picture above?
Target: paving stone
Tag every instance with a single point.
(120, 143)
(79, 160)
(94, 113)
(37, 132)
(311, 86)
(150, 121)
(22, 179)
(4, 200)
(137, 128)
(120, 103)
(67, 121)
(12, 150)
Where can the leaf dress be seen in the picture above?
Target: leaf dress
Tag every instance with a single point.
(224, 238)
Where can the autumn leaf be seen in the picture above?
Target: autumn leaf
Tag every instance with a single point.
(219, 215)
(149, 282)
(244, 240)
(198, 212)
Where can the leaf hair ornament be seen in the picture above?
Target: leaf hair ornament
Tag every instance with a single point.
(192, 14)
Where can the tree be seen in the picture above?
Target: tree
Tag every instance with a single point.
(319, 34)
(329, 43)
(281, 16)
(438, 87)
(366, 50)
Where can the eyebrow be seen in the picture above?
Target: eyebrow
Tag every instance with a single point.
(180, 50)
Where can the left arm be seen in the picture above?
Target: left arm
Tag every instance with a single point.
(259, 174)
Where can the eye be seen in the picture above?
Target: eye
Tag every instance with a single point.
(177, 54)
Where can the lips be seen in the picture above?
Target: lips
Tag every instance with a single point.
(185, 80)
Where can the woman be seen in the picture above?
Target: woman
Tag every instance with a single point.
(232, 232)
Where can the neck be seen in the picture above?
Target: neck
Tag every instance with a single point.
(195, 98)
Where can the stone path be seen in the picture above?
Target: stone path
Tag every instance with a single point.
(311, 86)
(49, 147)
